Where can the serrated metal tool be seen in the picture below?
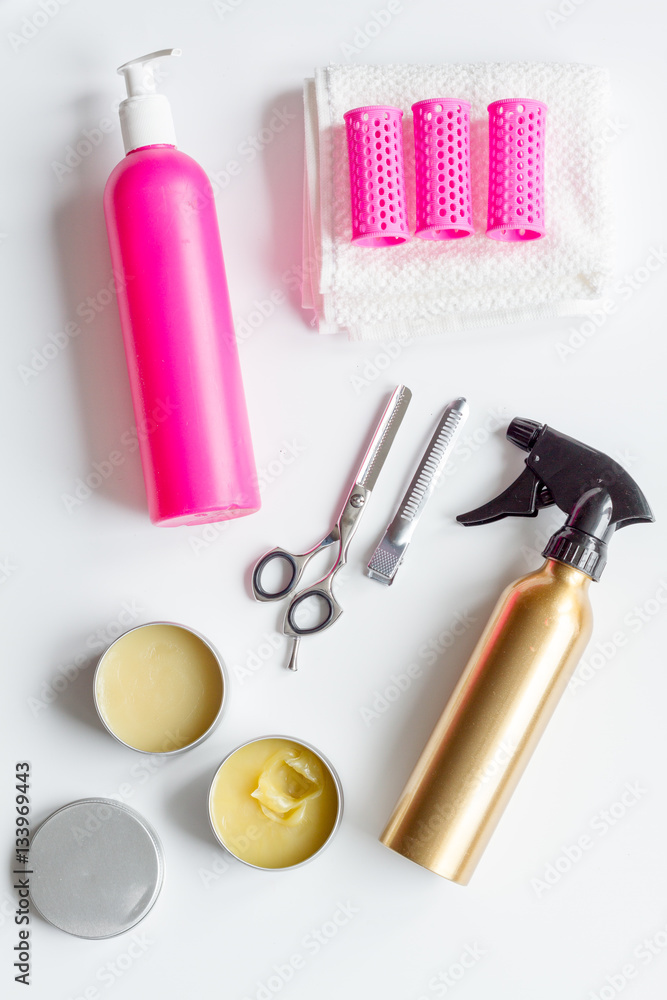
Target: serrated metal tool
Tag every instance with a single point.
(320, 594)
(389, 554)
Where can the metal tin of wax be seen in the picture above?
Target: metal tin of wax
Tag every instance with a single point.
(339, 795)
(172, 741)
(97, 868)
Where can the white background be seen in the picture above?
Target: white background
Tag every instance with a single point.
(68, 574)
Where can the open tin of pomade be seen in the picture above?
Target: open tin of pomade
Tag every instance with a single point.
(275, 803)
(160, 688)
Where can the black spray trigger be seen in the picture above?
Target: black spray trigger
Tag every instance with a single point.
(518, 500)
(596, 494)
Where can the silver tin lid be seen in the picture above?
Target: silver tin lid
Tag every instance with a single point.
(97, 868)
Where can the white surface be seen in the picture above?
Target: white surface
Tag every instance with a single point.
(71, 572)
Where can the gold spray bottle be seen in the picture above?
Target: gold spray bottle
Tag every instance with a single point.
(524, 659)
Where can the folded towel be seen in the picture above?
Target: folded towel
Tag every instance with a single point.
(424, 287)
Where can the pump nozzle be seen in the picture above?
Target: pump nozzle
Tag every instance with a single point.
(139, 73)
(145, 115)
(594, 491)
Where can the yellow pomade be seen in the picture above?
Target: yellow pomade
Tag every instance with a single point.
(159, 688)
(274, 803)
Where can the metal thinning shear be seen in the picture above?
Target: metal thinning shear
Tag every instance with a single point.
(342, 533)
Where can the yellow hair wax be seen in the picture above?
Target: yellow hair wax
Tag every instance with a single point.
(274, 803)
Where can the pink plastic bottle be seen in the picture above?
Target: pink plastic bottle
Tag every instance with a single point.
(177, 325)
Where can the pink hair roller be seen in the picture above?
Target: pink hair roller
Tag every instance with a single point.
(442, 162)
(377, 176)
(516, 170)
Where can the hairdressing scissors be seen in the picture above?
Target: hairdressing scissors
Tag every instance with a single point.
(321, 593)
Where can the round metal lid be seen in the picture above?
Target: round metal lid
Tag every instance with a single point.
(97, 868)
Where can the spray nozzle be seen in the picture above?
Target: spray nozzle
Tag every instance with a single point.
(594, 491)
(145, 115)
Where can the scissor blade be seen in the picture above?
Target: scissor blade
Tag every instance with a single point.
(383, 438)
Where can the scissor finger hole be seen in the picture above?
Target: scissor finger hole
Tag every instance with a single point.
(274, 575)
(311, 612)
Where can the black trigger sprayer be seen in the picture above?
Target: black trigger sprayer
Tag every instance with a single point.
(594, 491)
(523, 660)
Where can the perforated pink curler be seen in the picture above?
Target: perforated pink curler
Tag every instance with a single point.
(516, 170)
(442, 164)
(377, 176)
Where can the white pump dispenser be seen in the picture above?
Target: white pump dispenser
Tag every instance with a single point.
(145, 115)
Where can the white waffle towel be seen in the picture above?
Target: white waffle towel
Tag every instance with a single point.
(436, 287)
